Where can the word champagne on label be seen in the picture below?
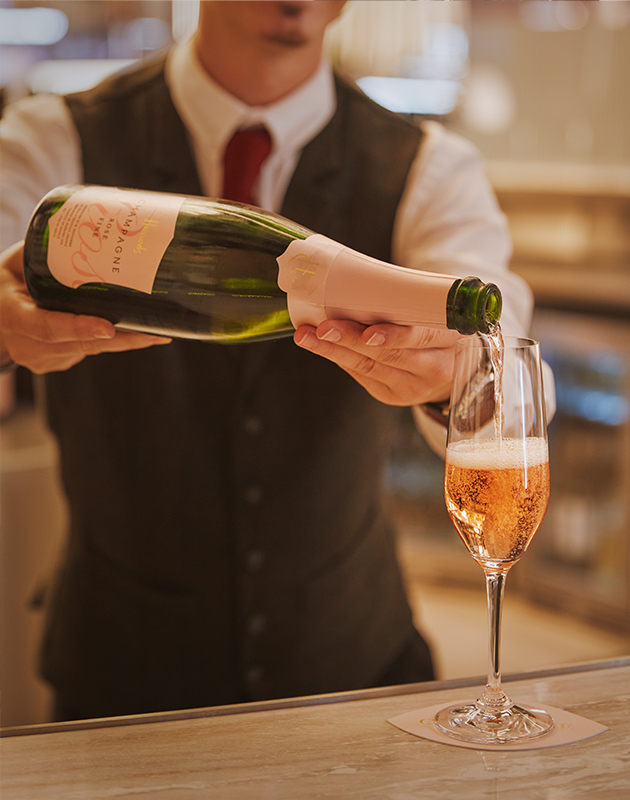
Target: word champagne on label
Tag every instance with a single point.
(497, 494)
(192, 267)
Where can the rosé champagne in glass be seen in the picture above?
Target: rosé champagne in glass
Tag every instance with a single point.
(496, 489)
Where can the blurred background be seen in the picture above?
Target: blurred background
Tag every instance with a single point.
(542, 89)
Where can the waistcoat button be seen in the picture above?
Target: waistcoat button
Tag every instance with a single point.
(254, 674)
(256, 624)
(252, 424)
(253, 494)
(254, 560)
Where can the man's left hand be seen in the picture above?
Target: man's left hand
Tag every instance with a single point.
(398, 365)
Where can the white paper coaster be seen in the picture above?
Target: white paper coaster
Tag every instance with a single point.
(568, 728)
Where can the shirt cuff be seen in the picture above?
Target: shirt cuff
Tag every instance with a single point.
(433, 431)
(7, 365)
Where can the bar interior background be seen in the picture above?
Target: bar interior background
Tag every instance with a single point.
(541, 89)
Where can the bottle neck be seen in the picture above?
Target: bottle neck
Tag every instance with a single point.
(326, 280)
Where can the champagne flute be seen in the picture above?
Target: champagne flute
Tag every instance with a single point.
(496, 490)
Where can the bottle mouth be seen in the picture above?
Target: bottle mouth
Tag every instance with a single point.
(491, 303)
(474, 306)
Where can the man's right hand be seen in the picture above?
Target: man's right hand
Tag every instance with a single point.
(52, 341)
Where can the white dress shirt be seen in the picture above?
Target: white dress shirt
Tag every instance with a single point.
(448, 219)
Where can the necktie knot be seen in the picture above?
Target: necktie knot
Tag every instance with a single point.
(243, 158)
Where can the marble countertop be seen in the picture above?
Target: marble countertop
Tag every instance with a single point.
(325, 747)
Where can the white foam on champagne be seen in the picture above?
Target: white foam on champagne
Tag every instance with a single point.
(508, 454)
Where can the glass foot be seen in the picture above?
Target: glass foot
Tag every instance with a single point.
(472, 723)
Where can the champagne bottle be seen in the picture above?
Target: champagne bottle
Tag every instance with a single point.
(191, 267)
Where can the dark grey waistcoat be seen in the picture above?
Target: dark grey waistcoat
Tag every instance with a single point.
(227, 536)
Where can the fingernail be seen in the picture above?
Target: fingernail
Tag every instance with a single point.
(103, 333)
(308, 340)
(332, 335)
(377, 339)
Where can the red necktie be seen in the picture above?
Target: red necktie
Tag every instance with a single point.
(243, 158)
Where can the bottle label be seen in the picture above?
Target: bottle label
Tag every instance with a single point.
(108, 235)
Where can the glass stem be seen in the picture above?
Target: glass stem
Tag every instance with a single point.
(493, 696)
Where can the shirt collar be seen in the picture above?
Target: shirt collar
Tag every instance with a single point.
(212, 114)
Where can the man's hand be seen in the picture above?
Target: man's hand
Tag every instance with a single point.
(401, 366)
(51, 341)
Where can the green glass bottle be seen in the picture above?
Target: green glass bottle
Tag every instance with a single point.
(191, 267)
